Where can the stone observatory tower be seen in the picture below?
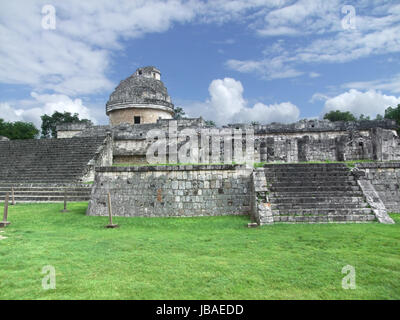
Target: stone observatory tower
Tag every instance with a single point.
(141, 98)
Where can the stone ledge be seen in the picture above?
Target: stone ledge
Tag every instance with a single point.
(172, 168)
(377, 165)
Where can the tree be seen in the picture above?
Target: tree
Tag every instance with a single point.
(179, 113)
(339, 116)
(18, 130)
(364, 118)
(210, 123)
(393, 114)
(49, 123)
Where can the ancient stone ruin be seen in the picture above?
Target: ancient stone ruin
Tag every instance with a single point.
(284, 188)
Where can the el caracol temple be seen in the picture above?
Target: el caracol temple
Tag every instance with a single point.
(197, 173)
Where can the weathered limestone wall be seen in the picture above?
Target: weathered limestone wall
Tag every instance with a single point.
(70, 130)
(146, 115)
(167, 191)
(261, 212)
(102, 157)
(67, 134)
(313, 140)
(130, 159)
(385, 177)
(331, 145)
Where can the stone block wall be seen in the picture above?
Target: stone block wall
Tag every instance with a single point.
(385, 177)
(102, 157)
(146, 114)
(165, 191)
(313, 140)
(70, 130)
(261, 212)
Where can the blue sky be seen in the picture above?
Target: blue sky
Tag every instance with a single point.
(228, 61)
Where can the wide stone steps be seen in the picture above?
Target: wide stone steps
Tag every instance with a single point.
(315, 193)
(276, 195)
(28, 199)
(41, 180)
(315, 168)
(320, 188)
(46, 193)
(312, 183)
(18, 193)
(47, 160)
(34, 176)
(45, 189)
(326, 219)
(293, 174)
(311, 205)
(318, 199)
(322, 211)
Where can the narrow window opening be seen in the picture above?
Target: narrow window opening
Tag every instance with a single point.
(137, 120)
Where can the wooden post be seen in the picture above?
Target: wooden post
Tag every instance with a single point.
(65, 202)
(12, 197)
(110, 225)
(5, 223)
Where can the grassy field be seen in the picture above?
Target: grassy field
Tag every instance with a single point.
(192, 258)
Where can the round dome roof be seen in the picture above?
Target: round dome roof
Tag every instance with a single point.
(141, 88)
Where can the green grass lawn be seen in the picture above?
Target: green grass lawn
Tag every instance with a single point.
(192, 258)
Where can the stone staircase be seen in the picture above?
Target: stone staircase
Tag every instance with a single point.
(46, 192)
(315, 193)
(43, 170)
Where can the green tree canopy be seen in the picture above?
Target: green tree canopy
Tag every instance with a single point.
(339, 116)
(18, 130)
(49, 123)
(393, 114)
(179, 113)
(210, 123)
(364, 118)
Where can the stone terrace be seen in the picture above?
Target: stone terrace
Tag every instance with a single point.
(40, 170)
(315, 193)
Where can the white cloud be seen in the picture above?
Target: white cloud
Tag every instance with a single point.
(318, 23)
(369, 103)
(8, 113)
(274, 68)
(226, 98)
(31, 110)
(227, 105)
(74, 58)
(302, 17)
(285, 112)
(391, 84)
(314, 75)
(318, 97)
